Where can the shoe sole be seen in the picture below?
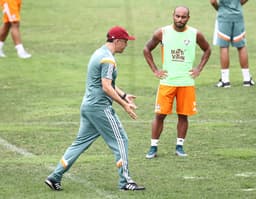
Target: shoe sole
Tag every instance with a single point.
(137, 188)
(151, 156)
(181, 154)
(140, 189)
(223, 86)
(49, 183)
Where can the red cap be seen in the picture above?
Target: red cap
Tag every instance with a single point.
(118, 32)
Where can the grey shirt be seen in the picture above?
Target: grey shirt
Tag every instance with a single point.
(101, 65)
(230, 11)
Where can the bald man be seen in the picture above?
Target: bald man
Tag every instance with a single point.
(178, 42)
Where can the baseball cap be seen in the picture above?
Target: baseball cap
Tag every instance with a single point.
(118, 32)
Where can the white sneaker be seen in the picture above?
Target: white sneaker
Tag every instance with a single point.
(24, 54)
(249, 83)
(223, 84)
(2, 55)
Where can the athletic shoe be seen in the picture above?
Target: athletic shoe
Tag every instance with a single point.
(152, 153)
(249, 83)
(56, 186)
(132, 187)
(2, 55)
(180, 151)
(23, 54)
(222, 84)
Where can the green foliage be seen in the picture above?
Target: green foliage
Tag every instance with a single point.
(40, 100)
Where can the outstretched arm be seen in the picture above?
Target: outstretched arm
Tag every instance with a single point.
(115, 95)
(125, 96)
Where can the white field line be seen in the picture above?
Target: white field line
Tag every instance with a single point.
(140, 122)
(102, 193)
(250, 189)
(21, 151)
(193, 178)
(246, 174)
(14, 148)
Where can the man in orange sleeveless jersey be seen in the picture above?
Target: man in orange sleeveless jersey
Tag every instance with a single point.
(11, 21)
(178, 42)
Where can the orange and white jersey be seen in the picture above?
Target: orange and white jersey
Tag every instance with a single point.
(11, 10)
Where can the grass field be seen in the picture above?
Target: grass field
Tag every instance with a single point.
(40, 100)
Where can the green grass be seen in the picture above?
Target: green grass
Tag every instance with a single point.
(40, 100)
